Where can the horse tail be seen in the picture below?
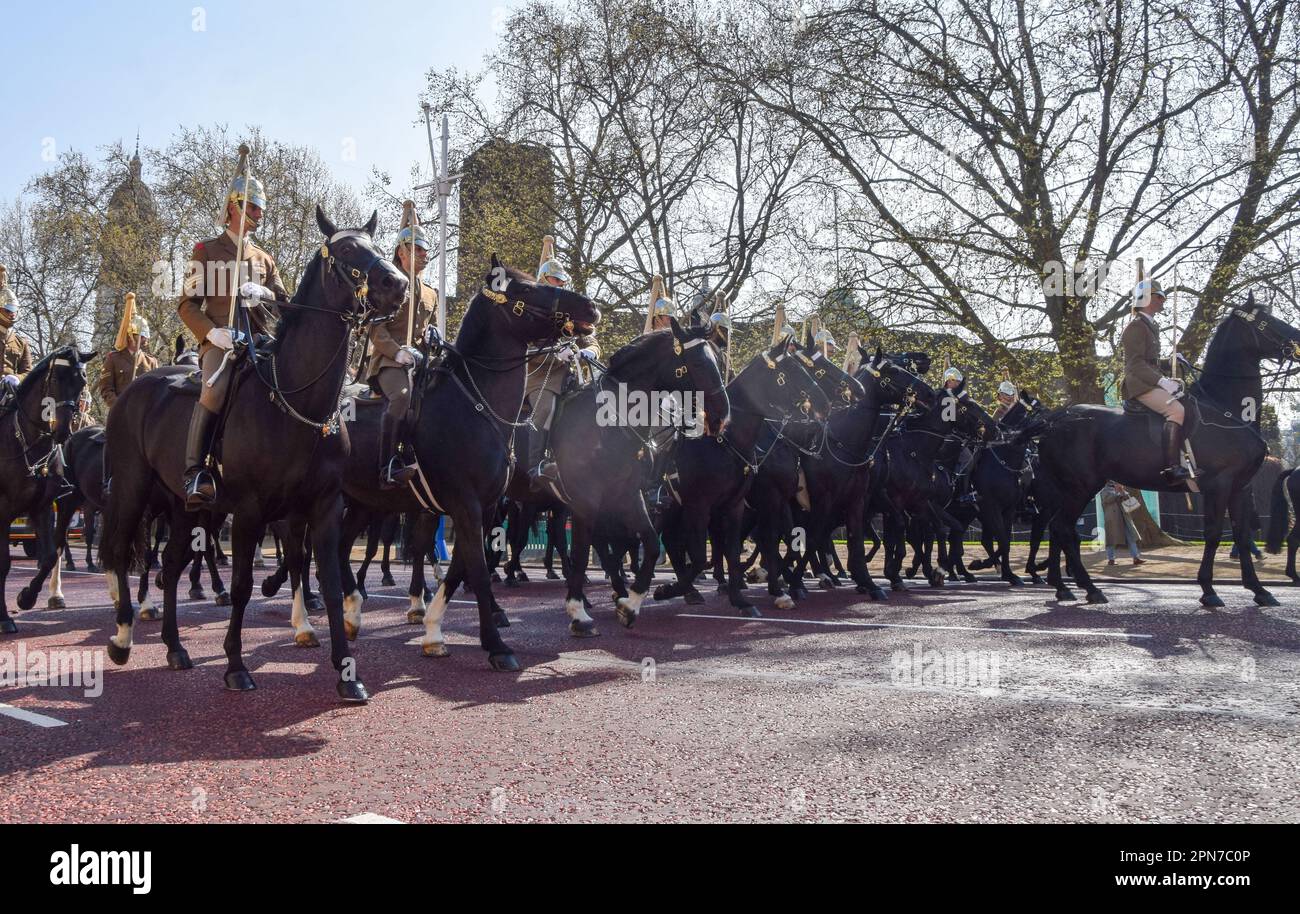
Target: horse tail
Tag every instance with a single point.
(1279, 513)
(116, 544)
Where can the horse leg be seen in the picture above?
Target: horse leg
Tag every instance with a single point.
(47, 557)
(733, 531)
(581, 625)
(354, 594)
(469, 543)
(324, 526)
(434, 643)
(242, 542)
(7, 624)
(1240, 507)
(176, 555)
(147, 611)
(304, 634)
(387, 531)
(857, 566)
(219, 595)
(372, 547)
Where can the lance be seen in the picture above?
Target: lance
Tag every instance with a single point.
(412, 221)
(720, 304)
(245, 170)
(442, 181)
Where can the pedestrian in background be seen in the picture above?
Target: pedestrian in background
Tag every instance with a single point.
(1119, 528)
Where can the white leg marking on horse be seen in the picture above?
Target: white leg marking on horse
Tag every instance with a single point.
(56, 576)
(578, 612)
(352, 608)
(301, 624)
(433, 616)
(146, 605)
(111, 580)
(123, 637)
(783, 602)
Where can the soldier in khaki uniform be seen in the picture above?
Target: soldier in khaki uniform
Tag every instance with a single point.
(1143, 381)
(212, 285)
(392, 355)
(546, 375)
(128, 360)
(17, 352)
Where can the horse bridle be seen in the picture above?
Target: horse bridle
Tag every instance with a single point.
(1289, 349)
(355, 277)
(20, 415)
(561, 319)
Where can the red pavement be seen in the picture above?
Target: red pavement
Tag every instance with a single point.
(1147, 709)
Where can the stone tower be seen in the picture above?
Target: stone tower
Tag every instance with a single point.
(129, 246)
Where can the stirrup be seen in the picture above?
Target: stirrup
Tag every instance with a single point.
(543, 476)
(1176, 474)
(200, 489)
(396, 474)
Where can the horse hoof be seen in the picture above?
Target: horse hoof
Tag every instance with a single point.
(387, 581)
(92, 568)
(1096, 596)
(259, 562)
(315, 605)
(222, 599)
(512, 581)
(663, 592)
(552, 576)
(197, 593)
(783, 603)
(415, 616)
(119, 655)
(1064, 593)
(878, 593)
(26, 599)
(1014, 581)
(750, 612)
(897, 585)
(8, 627)
(722, 587)
(352, 691)
(1212, 601)
(309, 639)
(437, 649)
(240, 681)
(496, 578)
(523, 578)
(584, 628)
(693, 597)
(938, 580)
(56, 603)
(626, 617)
(969, 578)
(500, 619)
(1264, 598)
(270, 587)
(504, 663)
(179, 660)
(149, 615)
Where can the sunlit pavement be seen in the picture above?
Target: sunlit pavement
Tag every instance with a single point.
(970, 702)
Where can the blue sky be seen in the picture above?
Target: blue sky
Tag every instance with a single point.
(82, 75)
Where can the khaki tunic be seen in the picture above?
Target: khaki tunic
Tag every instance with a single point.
(1140, 344)
(545, 381)
(17, 354)
(211, 285)
(120, 369)
(387, 338)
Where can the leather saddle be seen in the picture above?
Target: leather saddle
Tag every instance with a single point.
(191, 381)
(1136, 411)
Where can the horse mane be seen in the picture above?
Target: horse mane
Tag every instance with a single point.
(40, 369)
(638, 349)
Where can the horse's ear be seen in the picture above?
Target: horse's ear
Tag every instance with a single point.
(323, 222)
(180, 344)
(1250, 300)
(373, 224)
(496, 262)
(85, 357)
(677, 328)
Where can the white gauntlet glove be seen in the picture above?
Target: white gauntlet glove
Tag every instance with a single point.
(221, 338)
(254, 293)
(1169, 386)
(404, 357)
(565, 354)
(588, 354)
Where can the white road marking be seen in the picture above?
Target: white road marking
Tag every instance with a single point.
(1083, 633)
(30, 717)
(370, 818)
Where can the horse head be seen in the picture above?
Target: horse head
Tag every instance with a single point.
(360, 282)
(897, 383)
(50, 394)
(918, 363)
(538, 310)
(966, 416)
(696, 354)
(780, 383)
(1267, 337)
(833, 380)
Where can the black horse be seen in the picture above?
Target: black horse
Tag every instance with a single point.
(35, 420)
(473, 398)
(288, 399)
(713, 475)
(603, 444)
(1086, 445)
(1284, 520)
(839, 477)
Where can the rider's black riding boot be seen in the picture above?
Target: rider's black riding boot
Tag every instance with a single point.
(394, 471)
(200, 487)
(541, 472)
(1172, 437)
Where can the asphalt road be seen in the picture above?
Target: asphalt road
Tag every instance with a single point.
(967, 703)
